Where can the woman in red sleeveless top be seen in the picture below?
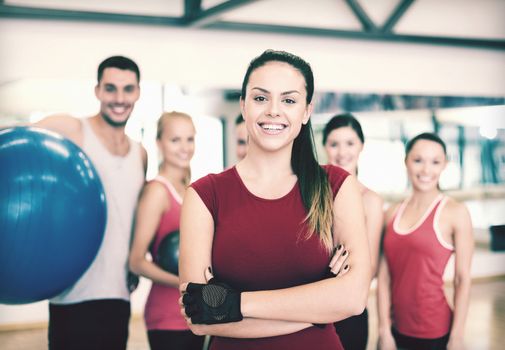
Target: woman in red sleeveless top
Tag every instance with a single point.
(343, 142)
(158, 216)
(421, 234)
(267, 227)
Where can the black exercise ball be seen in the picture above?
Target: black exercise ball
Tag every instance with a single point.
(168, 253)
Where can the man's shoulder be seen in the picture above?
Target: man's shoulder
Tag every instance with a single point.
(64, 124)
(62, 118)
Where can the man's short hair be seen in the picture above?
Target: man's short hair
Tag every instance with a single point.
(119, 62)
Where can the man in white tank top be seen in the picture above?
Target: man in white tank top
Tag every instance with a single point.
(95, 311)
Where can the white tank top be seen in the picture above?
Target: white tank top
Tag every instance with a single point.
(122, 179)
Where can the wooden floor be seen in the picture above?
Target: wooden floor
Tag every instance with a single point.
(485, 327)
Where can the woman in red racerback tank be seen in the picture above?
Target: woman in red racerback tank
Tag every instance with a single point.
(421, 234)
(267, 227)
(158, 216)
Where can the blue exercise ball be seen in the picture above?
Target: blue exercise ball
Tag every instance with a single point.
(52, 214)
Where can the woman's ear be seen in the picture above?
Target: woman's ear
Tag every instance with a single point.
(361, 145)
(308, 113)
(242, 107)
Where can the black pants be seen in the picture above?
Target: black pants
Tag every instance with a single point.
(353, 331)
(174, 340)
(410, 343)
(96, 324)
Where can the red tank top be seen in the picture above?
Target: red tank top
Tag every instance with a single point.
(416, 260)
(259, 244)
(162, 311)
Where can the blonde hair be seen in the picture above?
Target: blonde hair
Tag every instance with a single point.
(163, 120)
(169, 115)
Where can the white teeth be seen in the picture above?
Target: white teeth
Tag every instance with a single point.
(118, 109)
(272, 126)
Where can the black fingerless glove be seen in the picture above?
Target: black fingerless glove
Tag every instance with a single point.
(212, 303)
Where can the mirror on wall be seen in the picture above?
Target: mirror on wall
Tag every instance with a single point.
(473, 127)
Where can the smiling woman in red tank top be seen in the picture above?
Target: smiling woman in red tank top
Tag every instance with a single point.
(268, 226)
(421, 234)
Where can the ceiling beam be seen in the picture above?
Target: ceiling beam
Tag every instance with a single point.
(192, 8)
(212, 14)
(395, 16)
(7, 11)
(366, 22)
(65, 15)
(490, 44)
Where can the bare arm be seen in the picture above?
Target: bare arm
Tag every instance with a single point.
(64, 125)
(153, 203)
(197, 231)
(250, 328)
(463, 244)
(386, 340)
(374, 215)
(312, 302)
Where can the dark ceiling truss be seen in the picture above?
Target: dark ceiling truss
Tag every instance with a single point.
(200, 18)
(195, 17)
(21, 12)
(192, 8)
(320, 32)
(366, 22)
(396, 15)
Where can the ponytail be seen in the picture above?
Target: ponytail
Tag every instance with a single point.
(314, 187)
